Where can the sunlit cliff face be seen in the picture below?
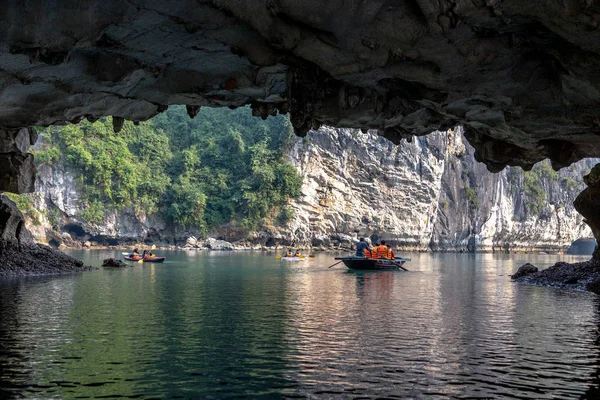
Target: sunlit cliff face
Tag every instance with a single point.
(521, 76)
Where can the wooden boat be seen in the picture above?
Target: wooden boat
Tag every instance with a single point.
(146, 259)
(373, 263)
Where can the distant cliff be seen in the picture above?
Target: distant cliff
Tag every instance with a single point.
(427, 194)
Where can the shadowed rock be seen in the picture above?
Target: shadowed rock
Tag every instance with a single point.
(578, 276)
(113, 263)
(20, 255)
(521, 76)
(525, 269)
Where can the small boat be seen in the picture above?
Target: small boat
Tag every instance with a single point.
(302, 258)
(373, 263)
(146, 259)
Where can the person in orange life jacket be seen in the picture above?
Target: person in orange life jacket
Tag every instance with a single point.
(391, 252)
(382, 250)
(362, 248)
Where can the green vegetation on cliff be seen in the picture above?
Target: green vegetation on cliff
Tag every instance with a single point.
(222, 167)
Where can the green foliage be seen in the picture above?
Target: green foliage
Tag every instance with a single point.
(471, 196)
(514, 175)
(571, 184)
(285, 216)
(125, 169)
(535, 195)
(25, 205)
(54, 217)
(93, 212)
(545, 171)
(222, 167)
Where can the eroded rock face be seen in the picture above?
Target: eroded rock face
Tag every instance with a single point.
(20, 255)
(588, 205)
(17, 172)
(521, 76)
(427, 194)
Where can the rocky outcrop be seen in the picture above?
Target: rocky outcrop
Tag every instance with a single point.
(524, 270)
(578, 276)
(17, 172)
(521, 76)
(427, 194)
(61, 219)
(113, 263)
(588, 205)
(20, 255)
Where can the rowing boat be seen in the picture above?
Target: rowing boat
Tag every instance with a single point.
(303, 258)
(373, 263)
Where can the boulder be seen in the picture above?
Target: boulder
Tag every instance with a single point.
(524, 270)
(113, 263)
(192, 241)
(215, 244)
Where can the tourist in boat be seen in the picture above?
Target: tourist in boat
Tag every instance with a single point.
(136, 253)
(382, 250)
(362, 248)
(391, 252)
(297, 254)
(289, 253)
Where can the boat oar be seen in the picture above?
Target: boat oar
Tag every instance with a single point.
(335, 264)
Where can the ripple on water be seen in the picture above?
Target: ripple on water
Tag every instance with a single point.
(234, 326)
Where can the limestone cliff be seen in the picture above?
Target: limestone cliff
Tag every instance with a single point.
(60, 218)
(430, 193)
(426, 194)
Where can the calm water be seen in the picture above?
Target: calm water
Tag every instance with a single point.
(247, 325)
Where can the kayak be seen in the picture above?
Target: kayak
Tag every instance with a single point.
(294, 258)
(146, 259)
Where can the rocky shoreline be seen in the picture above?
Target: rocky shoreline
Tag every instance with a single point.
(584, 276)
(21, 256)
(212, 244)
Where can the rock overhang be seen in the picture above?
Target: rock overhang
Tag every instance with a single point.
(521, 77)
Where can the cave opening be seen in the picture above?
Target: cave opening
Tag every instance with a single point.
(76, 231)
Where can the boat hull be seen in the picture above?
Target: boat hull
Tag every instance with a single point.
(147, 259)
(293, 258)
(373, 263)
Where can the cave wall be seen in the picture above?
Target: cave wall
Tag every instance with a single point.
(521, 77)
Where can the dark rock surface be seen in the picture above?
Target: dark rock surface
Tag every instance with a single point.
(17, 172)
(113, 263)
(524, 270)
(588, 205)
(579, 276)
(20, 255)
(521, 76)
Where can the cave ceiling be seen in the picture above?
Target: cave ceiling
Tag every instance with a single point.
(523, 77)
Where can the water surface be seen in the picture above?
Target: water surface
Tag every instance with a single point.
(232, 325)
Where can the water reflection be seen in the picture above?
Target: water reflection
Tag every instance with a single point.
(231, 326)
